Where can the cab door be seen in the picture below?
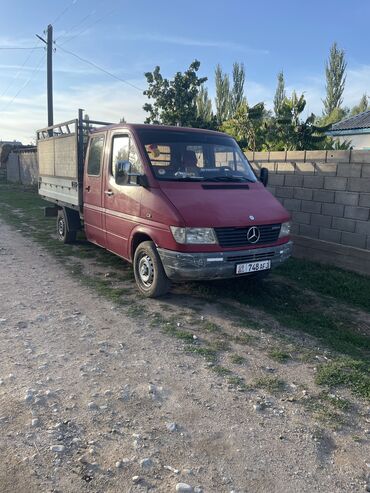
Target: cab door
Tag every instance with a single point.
(121, 194)
(92, 193)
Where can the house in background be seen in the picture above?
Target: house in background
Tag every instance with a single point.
(5, 147)
(355, 129)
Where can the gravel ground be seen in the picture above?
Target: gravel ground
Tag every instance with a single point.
(94, 401)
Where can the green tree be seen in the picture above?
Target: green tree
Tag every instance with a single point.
(335, 116)
(280, 94)
(335, 71)
(223, 97)
(245, 126)
(204, 105)
(174, 100)
(237, 92)
(289, 132)
(362, 106)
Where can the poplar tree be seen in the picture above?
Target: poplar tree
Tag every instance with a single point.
(204, 106)
(335, 71)
(280, 94)
(237, 91)
(222, 95)
(362, 106)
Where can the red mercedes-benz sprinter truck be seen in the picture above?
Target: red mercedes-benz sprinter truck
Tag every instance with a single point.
(179, 203)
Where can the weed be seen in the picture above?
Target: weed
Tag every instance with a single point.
(236, 359)
(207, 352)
(221, 370)
(279, 355)
(346, 371)
(211, 327)
(272, 384)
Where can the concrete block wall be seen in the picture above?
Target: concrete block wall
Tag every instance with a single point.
(326, 192)
(22, 167)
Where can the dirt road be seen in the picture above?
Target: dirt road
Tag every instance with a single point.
(91, 400)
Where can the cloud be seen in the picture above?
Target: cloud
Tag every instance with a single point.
(106, 102)
(183, 41)
(357, 83)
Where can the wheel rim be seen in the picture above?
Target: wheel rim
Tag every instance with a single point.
(146, 271)
(61, 227)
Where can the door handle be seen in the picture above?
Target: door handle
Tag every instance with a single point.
(108, 192)
(87, 188)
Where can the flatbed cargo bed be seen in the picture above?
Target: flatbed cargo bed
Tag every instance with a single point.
(61, 154)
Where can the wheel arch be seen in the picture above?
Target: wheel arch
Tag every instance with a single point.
(137, 237)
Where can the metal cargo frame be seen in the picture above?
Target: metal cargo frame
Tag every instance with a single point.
(61, 153)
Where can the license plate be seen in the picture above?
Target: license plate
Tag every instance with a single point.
(253, 267)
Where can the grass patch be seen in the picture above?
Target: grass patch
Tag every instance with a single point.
(221, 370)
(272, 384)
(279, 355)
(206, 352)
(236, 359)
(220, 345)
(244, 339)
(211, 327)
(171, 329)
(301, 311)
(351, 373)
(345, 286)
(237, 382)
(328, 409)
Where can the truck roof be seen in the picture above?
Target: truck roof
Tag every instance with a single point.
(149, 126)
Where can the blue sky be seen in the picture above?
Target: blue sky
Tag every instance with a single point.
(128, 38)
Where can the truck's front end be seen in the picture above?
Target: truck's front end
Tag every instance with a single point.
(231, 225)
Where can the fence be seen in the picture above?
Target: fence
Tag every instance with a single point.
(22, 166)
(328, 195)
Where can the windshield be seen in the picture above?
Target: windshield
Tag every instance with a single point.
(195, 156)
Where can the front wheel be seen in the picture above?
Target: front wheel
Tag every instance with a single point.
(150, 276)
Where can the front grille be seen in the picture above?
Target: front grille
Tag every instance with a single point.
(237, 237)
(251, 258)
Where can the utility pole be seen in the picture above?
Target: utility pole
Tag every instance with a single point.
(49, 47)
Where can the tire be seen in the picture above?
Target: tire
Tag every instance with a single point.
(149, 274)
(65, 235)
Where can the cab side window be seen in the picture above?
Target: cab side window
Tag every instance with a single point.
(95, 156)
(125, 160)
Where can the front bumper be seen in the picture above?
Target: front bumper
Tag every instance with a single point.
(219, 265)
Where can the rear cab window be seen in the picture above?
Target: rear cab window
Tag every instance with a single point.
(95, 155)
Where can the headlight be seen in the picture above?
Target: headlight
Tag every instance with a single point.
(284, 230)
(200, 236)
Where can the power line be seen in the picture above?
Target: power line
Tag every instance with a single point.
(86, 28)
(19, 71)
(37, 68)
(76, 25)
(100, 68)
(19, 48)
(63, 12)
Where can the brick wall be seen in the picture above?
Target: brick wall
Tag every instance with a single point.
(328, 195)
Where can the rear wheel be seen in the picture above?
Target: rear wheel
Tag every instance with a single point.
(150, 276)
(65, 235)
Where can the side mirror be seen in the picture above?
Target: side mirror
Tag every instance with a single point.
(122, 168)
(264, 176)
(125, 176)
(143, 181)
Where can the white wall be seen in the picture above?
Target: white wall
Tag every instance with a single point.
(358, 141)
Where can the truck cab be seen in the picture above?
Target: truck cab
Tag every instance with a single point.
(179, 203)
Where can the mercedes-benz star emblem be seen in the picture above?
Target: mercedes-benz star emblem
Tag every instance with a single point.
(253, 234)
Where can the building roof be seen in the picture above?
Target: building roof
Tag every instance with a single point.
(354, 124)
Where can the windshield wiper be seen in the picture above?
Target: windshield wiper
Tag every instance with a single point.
(230, 178)
(187, 178)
